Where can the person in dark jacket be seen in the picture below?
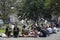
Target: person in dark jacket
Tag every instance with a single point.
(15, 31)
(8, 31)
(42, 30)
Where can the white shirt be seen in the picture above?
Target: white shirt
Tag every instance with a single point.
(50, 30)
(12, 27)
(55, 29)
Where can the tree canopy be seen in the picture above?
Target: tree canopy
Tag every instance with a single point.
(5, 8)
(30, 9)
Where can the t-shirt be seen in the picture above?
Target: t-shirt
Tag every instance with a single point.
(55, 29)
(50, 30)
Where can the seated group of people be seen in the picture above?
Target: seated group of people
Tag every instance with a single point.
(35, 31)
(15, 31)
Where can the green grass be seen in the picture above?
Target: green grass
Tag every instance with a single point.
(2, 31)
(20, 25)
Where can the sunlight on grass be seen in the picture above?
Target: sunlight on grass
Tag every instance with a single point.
(2, 31)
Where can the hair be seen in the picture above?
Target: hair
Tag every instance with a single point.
(35, 28)
(24, 26)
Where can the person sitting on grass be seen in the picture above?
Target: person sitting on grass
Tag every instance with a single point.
(44, 31)
(8, 31)
(54, 29)
(25, 32)
(49, 29)
(15, 31)
(35, 32)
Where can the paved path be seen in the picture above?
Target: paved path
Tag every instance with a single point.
(51, 37)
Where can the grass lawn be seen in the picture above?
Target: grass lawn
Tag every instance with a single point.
(2, 30)
(20, 25)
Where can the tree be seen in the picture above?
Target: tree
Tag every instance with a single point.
(32, 8)
(5, 8)
(55, 6)
(51, 7)
(47, 9)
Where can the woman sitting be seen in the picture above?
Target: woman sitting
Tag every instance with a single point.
(54, 29)
(25, 32)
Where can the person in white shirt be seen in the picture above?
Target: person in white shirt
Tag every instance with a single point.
(49, 29)
(54, 30)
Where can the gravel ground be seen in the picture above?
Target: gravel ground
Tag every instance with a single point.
(51, 37)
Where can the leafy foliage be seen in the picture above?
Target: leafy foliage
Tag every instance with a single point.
(5, 8)
(32, 8)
